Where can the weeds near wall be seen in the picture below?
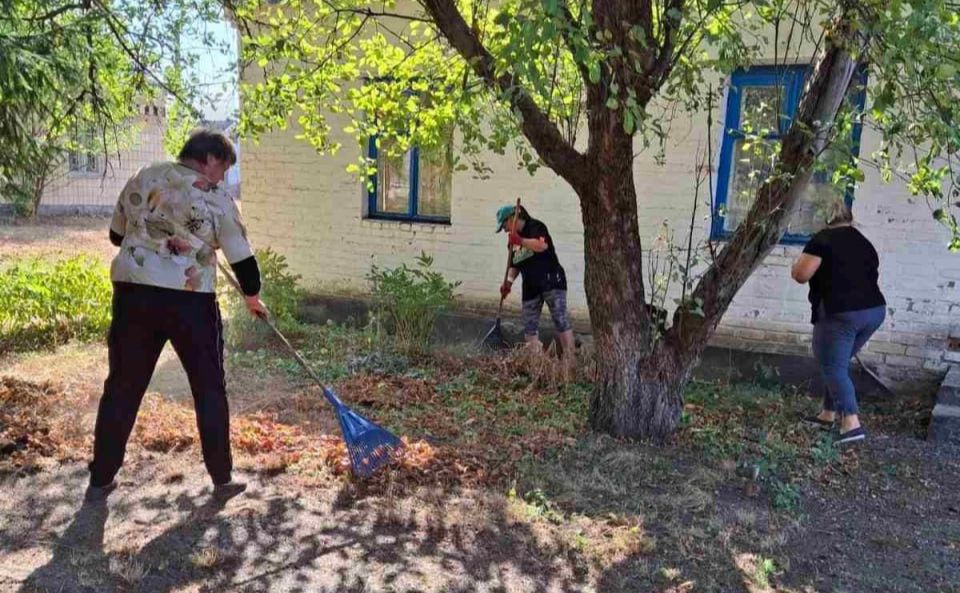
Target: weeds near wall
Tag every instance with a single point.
(281, 294)
(409, 300)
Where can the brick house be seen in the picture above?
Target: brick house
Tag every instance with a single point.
(331, 228)
(90, 182)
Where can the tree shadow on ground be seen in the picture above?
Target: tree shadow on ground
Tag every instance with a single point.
(158, 537)
(688, 513)
(706, 534)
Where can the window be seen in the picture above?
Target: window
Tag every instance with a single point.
(415, 186)
(761, 103)
(83, 160)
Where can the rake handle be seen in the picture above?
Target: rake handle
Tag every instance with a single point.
(873, 375)
(269, 321)
(506, 273)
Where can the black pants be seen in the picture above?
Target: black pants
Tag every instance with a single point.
(144, 318)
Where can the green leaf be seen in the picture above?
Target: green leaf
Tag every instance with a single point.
(946, 71)
(594, 72)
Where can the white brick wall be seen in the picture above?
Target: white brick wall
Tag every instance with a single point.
(307, 207)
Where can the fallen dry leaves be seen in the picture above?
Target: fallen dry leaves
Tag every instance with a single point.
(31, 430)
(36, 424)
(32, 425)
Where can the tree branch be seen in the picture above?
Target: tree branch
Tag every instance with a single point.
(665, 55)
(368, 12)
(542, 133)
(569, 25)
(55, 13)
(110, 20)
(778, 196)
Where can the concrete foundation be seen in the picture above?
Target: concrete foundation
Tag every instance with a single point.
(945, 422)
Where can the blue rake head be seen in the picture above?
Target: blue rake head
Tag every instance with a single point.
(370, 446)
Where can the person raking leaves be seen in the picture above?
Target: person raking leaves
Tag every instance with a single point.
(169, 222)
(544, 280)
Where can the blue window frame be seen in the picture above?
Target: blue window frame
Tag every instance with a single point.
(761, 103)
(404, 191)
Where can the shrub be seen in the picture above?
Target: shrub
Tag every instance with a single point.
(281, 294)
(46, 303)
(15, 194)
(409, 301)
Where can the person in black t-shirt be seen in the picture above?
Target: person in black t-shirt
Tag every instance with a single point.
(544, 281)
(847, 308)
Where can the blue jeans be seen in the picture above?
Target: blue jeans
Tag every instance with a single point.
(836, 339)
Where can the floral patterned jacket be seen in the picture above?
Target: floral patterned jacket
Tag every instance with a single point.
(172, 221)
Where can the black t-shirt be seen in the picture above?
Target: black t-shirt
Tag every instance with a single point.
(541, 271)
(847, 277)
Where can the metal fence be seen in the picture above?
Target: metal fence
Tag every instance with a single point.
(89, 183)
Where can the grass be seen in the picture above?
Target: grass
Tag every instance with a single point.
(47, 303)
(755, 427)
(206, 558)
(494, 414)
(631, 516)
(130, 570)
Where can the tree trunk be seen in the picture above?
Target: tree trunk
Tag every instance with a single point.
(39, 185)
(639, 382)
(637, 392)
(639, 387)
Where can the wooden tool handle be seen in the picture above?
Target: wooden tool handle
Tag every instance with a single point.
(506, 273)
(269, 321)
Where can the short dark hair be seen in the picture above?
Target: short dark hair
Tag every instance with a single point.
(205, 143)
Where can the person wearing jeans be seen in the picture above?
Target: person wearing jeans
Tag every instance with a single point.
(169, 222)
(842, 268)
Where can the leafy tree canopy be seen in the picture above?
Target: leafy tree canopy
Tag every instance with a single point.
(394, 70)
(71, 72)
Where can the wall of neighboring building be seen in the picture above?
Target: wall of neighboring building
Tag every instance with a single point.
(308, 208)
(98, 190)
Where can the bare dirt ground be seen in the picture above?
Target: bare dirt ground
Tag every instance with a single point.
(591, 514)
(162, 532)
(57, 237)
(597, 516)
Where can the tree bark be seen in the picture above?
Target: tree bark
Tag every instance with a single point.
(638, 387)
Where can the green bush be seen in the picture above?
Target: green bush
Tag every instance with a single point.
(409, 301)
(46, 303)
(281, 294)
(18, 197)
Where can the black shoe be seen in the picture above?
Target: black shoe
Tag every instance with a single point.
(228, 490)
(99, 493)
(816, 422)
(851, 436)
